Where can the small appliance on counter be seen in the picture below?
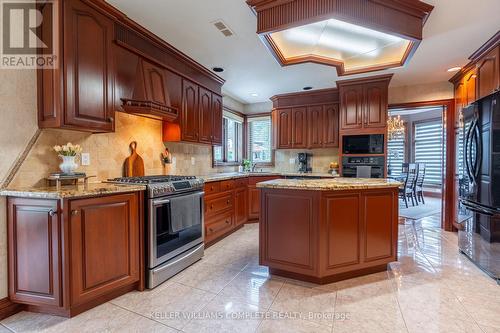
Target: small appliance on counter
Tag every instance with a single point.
(174, 224)
(304, 162)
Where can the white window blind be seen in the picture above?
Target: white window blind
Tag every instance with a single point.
(429, 150)
(395, 155)
(259, 139)
(232, 140)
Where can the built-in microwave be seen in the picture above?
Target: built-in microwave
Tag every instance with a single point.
(363, 144)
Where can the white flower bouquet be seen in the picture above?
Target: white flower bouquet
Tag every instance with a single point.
(68, 149)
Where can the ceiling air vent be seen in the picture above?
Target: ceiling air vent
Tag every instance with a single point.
(222, 27)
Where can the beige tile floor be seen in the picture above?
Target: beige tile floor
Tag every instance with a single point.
(432, 288)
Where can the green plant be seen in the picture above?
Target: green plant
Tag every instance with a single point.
(247, 165)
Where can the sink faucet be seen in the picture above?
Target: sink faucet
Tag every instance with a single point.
(253, 166)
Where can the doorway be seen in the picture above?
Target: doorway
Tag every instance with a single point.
(426, 149)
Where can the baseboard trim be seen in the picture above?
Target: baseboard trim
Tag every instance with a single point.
(8, 308)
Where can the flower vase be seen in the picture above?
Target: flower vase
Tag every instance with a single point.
(68, 165)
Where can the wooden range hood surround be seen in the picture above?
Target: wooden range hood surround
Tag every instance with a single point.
(151, 96)
(400, 18)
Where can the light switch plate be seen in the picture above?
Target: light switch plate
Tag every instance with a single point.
(193, 161)
(85, 158)
(291, 161)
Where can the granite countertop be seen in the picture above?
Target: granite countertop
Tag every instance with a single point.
(234, 175)
(336, 184)
(71, 191)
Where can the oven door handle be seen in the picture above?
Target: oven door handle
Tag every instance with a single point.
(160, 202)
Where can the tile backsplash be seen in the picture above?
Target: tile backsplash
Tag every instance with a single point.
(108, 151)
(320, 160)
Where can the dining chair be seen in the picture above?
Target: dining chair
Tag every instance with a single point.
(419, 183)
(407, 189)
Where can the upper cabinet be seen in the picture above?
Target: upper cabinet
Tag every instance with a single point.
(363, 103)
(108, 63)
(80, 94)
(480, 77)
(488, 73)
(299, 127)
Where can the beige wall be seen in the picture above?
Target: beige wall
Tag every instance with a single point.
(17, 127)
(420, 92)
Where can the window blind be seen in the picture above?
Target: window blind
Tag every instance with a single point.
(429, 150)
(259, 139)
(395, 155)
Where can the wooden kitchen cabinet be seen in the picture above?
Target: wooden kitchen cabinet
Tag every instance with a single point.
(217, 119)
(470, 87)
(34, 234)
(155, 83)
(330, 126)
(253, 202)
(80, 94)
(67, 256)
(104, 239)
(351, 107)
(189, 112)
(363, 103)
(240, 206)
(205, 115)
(284, 128)
(299, 127)
(488, 73)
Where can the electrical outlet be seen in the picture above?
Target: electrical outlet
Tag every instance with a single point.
(291, 161)
(193, 161)
(85, 158)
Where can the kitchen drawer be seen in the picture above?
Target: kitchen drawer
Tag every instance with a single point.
(219, 226)
(212, 188)
(226, 185)
(241, 182)
(218, 204)
(252, 180)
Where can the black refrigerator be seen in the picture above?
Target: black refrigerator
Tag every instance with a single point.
(479, 185)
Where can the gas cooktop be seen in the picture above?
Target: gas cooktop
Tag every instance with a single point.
(162, 185)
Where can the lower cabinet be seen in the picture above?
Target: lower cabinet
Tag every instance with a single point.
(67, 262)
(240, 206)
(253, 202)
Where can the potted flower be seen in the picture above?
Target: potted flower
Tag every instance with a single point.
(68, 154)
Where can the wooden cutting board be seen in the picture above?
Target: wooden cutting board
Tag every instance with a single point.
(134, 165)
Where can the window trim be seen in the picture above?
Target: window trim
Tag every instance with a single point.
(224, 161)
(247, 141)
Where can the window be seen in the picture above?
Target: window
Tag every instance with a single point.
(396, 155)
(259, 140)
(231, 151)
(428, 138)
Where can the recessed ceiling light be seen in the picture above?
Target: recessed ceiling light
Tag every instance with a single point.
(454, 69)
(254, 94)
(218, 69)
(307, 88)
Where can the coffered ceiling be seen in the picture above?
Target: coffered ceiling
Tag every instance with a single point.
(454, 30)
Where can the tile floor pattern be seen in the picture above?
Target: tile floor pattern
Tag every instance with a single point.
(432, 288)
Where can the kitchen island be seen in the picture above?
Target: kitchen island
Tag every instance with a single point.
(325, 230)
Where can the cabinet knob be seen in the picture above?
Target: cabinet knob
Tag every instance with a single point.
(52, 212)
(74, 212)
(111, 119)
(227, 202)
(227, 222)
(211, 206)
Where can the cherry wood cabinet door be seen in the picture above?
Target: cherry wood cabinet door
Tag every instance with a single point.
(253, 203)
(88, 68)
(205, 115)
(189, 112)
(217, 119)
(284, 128)
(375, 105)
(315, 123)
(351, 112)
(104, 245)
(299, 127)
(470, 87)
(488, 73)
(330, 126)
(379, 229)
(240, 206)
(154, 83)
(34, 235)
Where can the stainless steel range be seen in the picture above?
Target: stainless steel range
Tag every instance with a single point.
(174, 215)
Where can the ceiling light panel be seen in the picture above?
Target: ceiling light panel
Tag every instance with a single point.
(355, 46)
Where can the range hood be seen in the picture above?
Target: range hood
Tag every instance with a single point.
(150, 98)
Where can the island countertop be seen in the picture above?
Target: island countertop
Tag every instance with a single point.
(335, 184)
(71, 191)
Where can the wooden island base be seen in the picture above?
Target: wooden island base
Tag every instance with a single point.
(323, 236)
